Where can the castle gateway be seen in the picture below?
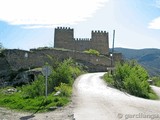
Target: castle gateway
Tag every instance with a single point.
(64, 38)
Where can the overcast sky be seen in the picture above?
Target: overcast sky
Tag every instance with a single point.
(26, 24)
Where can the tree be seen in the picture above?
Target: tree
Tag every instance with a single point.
(1, 46)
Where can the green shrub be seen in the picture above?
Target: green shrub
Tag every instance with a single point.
(37, 88)
(108, 78)
(93, 52)
(66, 72)
(156, 81)
(56, 100)
(47, 102)
(132, 78)
(31, 97)
(65, 90)
(59, 104)
(63, 72)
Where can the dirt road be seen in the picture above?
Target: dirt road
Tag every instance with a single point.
(94, 100)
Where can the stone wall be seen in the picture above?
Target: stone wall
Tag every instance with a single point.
(19, 59)
(91, 61)
(4, 66)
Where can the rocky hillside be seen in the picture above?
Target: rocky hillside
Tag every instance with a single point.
(149, 58)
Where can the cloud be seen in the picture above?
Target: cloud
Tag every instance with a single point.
(47, 13)
(157, 3)
(155, 24)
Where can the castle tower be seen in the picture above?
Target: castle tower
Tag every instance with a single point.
(63, 37)
(100, 41)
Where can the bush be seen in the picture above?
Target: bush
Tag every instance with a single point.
(132, 78)
(37, 88)
(108, 78)
(93, 52)
(31, 97)
(65, 72)
(156, 81)
(65, 90)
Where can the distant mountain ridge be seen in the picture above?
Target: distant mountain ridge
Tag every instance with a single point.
(149, 58)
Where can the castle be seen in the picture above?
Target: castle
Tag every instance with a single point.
(64, 38)
(14, 60)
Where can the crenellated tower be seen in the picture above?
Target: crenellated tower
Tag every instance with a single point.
(100, 41)
(64, 38)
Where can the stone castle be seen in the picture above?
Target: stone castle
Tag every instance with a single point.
(14, 60)
(64, 38)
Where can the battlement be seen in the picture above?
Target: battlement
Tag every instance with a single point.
(63, 28)
(99, 32)
(82, 39)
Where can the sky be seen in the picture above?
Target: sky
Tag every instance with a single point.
(26, 24)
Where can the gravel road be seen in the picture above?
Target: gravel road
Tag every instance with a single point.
(94, 100)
